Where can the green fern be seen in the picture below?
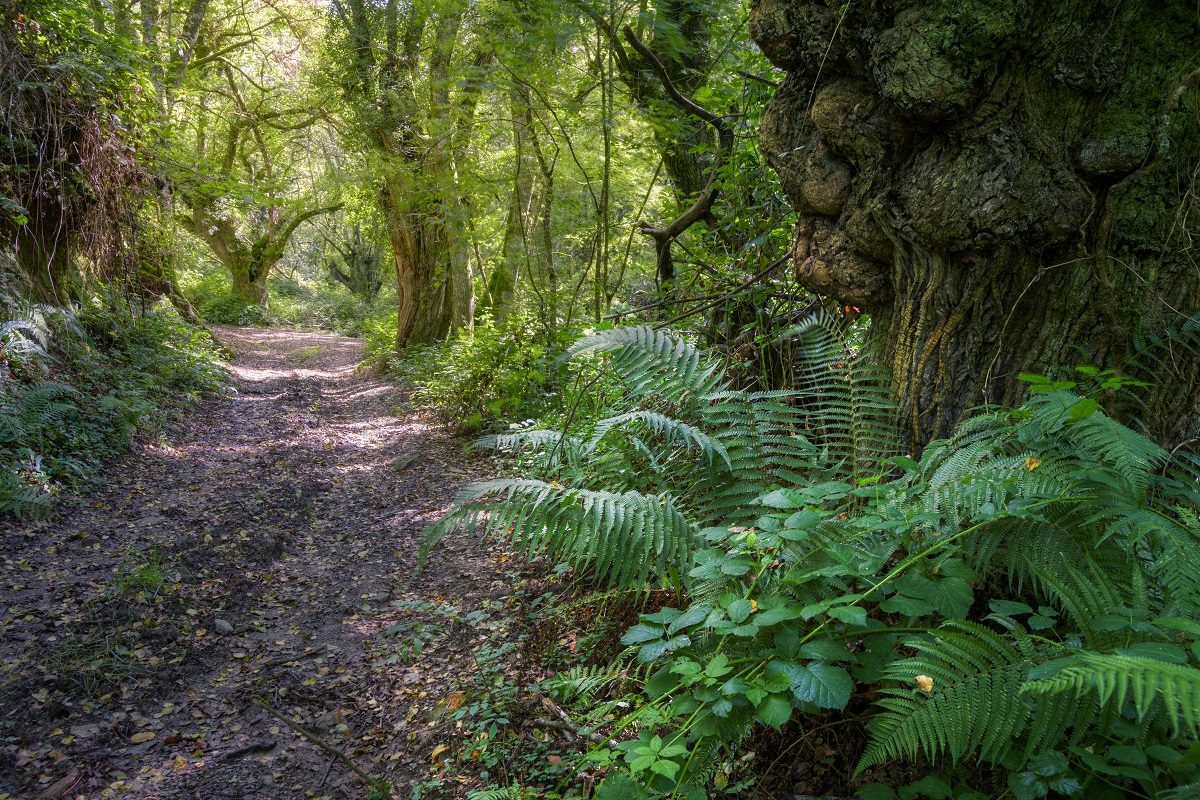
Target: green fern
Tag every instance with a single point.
(582, 683)
(670, 430)
(653, 362)
(845, 405)
(1102, 552)
(1115, 679)
(680, 440)
(625, 539)
(515, 792)
(973, 706)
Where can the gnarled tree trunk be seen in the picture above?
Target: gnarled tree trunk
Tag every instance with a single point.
(1005, 187)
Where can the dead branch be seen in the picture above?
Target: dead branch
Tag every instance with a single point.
(701, 208)
(370, 781)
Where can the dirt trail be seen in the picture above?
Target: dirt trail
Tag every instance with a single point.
(267, 551)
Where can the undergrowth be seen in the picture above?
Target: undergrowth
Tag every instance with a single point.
(1015, 614)
(488, 378)
(294, 303)
(76, 387)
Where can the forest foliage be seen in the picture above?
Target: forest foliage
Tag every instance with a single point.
(809, 455)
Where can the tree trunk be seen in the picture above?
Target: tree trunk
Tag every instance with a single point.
(249, 284)
(516, 255)
(1003, 191)
(426, 285)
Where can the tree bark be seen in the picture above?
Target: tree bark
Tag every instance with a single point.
(1003, 191)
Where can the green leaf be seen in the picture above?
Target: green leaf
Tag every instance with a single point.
(1027, 786)
(693, 616)
(654, 650)
(661, 682)
(1009, 608)
(739, 610)
(663, 615)
(642, 633)
(804, 520)
(877, 791)
(851, 615)
(787, 641)
(775, 710)
(931, 786)
(908, 606)
(776, 677)
(1083, 408)
(1049, 763)
(825, 650)
(950, 596)
(718, 667)
(620, 787)
(824, 685)
(1159, 651)
(771, 616)
(783, 499)
(810, 611)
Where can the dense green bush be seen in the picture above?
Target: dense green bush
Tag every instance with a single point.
(92, 382)
(304, 304)
(228, 309)
(324, 305)
(1017, 613)
(490, 377)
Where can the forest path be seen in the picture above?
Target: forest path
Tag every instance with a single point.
(269, 551)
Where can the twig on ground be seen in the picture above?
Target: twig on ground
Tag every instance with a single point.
(325, 775)
(255, 747)
(567, 725)
(370, 781)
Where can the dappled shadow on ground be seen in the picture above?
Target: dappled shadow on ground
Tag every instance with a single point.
(257, 554)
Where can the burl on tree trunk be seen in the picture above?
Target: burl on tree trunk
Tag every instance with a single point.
(1004, 186)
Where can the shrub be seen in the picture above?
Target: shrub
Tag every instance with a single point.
(228, 309)
(486, 378)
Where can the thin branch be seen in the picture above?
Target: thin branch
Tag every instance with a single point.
(370, 781)
(567, 725)
(701, 207)
(758, 276)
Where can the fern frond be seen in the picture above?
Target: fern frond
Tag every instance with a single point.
(651, 361)
(552, 446)
(844, 402)
(974, 706)
(1112, 677)
(1095, 438)
(582, 683)
(669, 429)
(624, 539)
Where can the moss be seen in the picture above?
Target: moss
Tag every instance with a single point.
(932, 58)
(1119, 140)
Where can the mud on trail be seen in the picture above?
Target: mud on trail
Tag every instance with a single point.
(265, 550)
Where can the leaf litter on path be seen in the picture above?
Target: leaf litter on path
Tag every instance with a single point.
(261, 555)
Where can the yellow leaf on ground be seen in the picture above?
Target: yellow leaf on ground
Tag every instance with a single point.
(142, 736)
